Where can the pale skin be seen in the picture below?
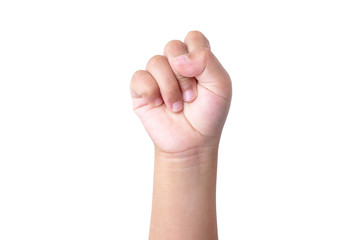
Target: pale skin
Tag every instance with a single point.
(182, 99)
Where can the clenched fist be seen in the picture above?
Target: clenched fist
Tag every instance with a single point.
(183, 96)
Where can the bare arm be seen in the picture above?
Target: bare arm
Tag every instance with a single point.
(184, 196)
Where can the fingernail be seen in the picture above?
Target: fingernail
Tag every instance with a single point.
(158, 102)
(181, 60)
(177, 106)
(188, 95)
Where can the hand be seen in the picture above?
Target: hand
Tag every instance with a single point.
(183, 97)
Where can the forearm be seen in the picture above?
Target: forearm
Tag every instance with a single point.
(184, 195)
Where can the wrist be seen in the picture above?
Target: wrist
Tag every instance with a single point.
(193, 157)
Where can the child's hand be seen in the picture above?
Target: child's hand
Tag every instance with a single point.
(183, 102)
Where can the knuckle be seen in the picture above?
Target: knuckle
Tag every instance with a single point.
(155, 61)
(196, 35)
(143, 86)
(138, 75)
(174, 45)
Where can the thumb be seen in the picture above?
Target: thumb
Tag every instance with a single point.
(205, 67)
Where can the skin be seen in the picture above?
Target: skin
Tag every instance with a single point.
(182, 99)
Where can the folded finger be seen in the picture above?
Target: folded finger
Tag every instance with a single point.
(144, 90)
(187, 85)
(159, 67)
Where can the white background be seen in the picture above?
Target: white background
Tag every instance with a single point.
(76, 163)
